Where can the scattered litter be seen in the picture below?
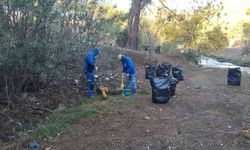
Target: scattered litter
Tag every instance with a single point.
(20, 126)
(32, 99)
(229, 127)
(147, 118)
(48, 148)
(76, 81)
(34, 144)
(246, 132)
(197, 87)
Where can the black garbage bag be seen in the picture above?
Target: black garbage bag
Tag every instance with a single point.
(150, 72)
(160, 90)
(177, 73)
(167, 68)
(160, 71)
(163, 70)
(173, 83)
(234, 76)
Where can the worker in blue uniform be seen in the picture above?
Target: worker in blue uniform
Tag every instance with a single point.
(89, 70)
(130, 70)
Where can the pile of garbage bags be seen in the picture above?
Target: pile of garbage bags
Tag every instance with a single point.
(162, 82)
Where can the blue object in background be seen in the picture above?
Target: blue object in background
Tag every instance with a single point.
(126, 92)
(34, 144)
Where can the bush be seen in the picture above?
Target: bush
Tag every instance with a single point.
(48, 49)
(167, 46)
(122, 38)
(192, 56)
(213, 40)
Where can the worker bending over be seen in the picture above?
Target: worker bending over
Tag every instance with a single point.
(130, 70)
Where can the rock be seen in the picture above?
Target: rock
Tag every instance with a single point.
(197, 87)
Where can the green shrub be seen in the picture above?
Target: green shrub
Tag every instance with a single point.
(122, 37)
(169, 47)
(192, 56)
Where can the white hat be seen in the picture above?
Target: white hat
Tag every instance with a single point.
(120, 56)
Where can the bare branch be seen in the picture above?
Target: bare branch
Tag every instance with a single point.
(165, 6)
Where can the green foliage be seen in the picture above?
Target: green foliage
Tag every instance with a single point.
(114, 21)
(246, 33)
(122, 38)
(236, 30)
(191, 56)
(168, 46)
(44, 41)
(246, 30)
(213, 40)
(248, 11)
(187, 28)
(147, 33)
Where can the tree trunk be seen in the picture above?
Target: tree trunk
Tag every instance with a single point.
(133, 24)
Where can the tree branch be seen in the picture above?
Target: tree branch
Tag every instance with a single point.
(165, 6)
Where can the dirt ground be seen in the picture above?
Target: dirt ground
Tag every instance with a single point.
(205, 114)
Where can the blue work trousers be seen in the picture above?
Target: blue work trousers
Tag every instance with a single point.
(90, 76)
(131, 83)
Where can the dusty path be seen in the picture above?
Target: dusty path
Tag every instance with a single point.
(205, 114)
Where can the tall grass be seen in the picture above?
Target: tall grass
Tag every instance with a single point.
(63, 117)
